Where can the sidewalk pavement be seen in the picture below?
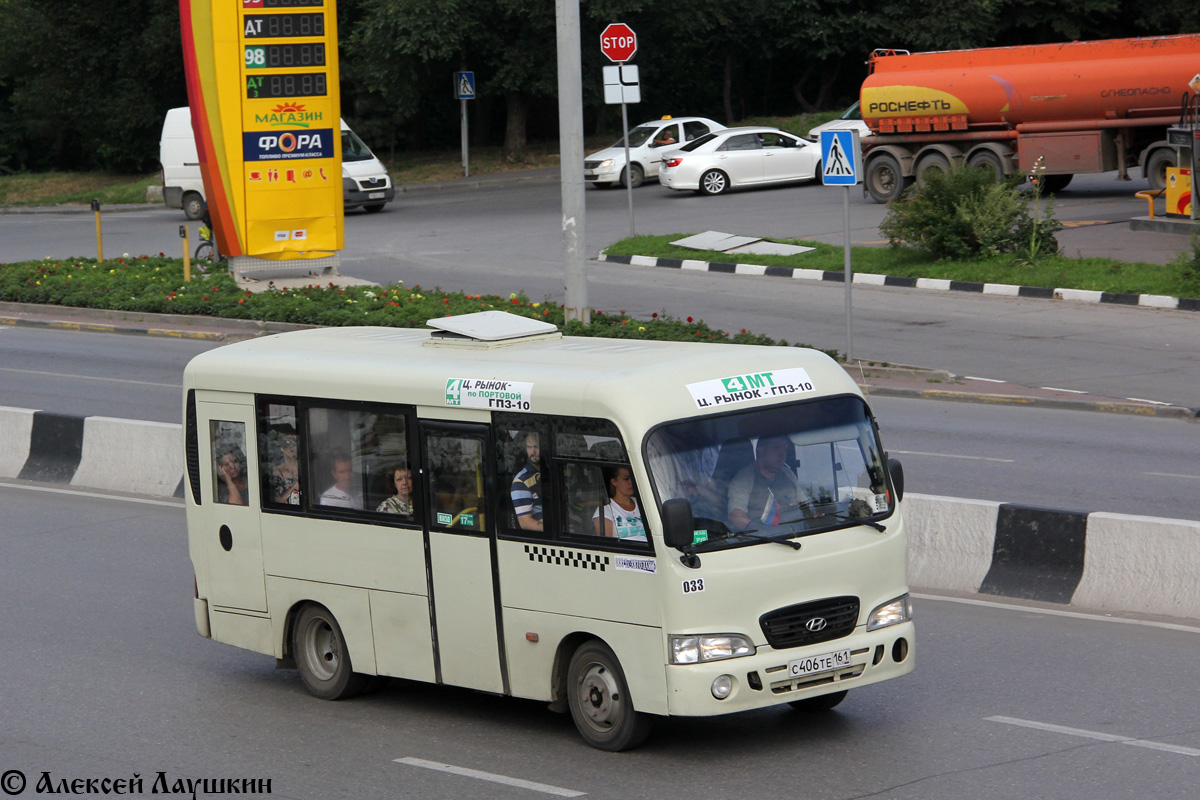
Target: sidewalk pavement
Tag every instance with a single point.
(875, 379)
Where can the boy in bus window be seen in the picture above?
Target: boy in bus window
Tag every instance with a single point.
(526, 488)
(343, 493)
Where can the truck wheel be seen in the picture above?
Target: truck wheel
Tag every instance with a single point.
(600, 702)
(986, 159)
(193, 205)
(1156, 168)
(1053, 184)
(638, 176)
(884, 181)
(933, 162)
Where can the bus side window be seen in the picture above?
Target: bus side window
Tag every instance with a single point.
(278, 449)
(228, 441)
(521, 459)
(584, 495)
(456, 481)
(354, 457)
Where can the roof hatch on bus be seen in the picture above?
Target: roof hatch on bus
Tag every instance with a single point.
(490, 329)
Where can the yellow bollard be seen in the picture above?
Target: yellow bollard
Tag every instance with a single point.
(187, 253)
(99, 237)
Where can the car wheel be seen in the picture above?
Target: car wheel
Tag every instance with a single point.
(817, 704)
(601, 705)
(714, 182)
(1156, 168)
(638, 176)
(986, 159)
(193, 206)
(884, 180)
(321, 656)
(374, 208)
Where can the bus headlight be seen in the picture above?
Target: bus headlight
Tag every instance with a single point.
(892, 612)
(709, 647)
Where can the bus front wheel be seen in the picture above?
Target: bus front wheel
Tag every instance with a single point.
(319, 649)
(600, 702)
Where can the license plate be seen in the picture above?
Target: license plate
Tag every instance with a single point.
(376, 195)
(822, 663)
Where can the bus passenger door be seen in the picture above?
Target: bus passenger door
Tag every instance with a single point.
(230, 534)
(463, 586)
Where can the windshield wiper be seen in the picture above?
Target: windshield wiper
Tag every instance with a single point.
(856, 520)
(754, 534)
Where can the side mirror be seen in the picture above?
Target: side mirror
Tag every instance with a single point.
(897, 473)
(677, 523)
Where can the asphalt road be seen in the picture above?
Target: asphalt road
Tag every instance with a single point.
(104, 677)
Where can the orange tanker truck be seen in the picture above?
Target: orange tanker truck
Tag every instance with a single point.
(1080, 107)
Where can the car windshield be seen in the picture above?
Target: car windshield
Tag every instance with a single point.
(703, 140)
(852, 112)
(773, 473)
(638, 136)
(353, 148)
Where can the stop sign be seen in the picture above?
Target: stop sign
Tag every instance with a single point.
(618, 42)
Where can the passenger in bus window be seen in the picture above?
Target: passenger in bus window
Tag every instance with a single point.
(231, 471)
(401, 501)
(621, 517)
(285, 477)
(343, 493)
(526, 488)
(765, 489)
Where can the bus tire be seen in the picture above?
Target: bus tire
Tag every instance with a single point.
(319, 649)
(818, 704)
(600, 702)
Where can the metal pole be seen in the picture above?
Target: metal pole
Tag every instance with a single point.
(99, 237)
(570, 137)
(848, 273)
(628, 166)
(465, 158)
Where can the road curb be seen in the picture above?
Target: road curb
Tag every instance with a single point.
(937, 284)
(1104, 406)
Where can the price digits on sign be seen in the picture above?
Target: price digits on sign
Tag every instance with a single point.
(273, 56)
(291, 3)
(301, 84)
(277, 26)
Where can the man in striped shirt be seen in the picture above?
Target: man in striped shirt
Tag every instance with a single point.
(526, 488)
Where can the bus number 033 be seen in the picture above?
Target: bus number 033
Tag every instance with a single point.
(693, 586)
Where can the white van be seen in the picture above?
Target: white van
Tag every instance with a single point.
(365, 181)
(623, 529)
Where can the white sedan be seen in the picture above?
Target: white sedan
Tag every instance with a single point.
(737, 157)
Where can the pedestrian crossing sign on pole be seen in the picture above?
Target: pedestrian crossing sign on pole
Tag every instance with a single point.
(464, 86)
(841, 158)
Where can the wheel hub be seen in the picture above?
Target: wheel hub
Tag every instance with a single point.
(600, 697)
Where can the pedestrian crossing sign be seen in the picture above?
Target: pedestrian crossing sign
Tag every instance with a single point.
(464, 86)
(841, 158)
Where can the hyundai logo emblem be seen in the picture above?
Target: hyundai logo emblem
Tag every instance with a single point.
(816, 624)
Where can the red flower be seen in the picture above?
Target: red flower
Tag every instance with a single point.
(654, 315)
(689, 319)
(743, 330)
(204, 298)
(240, 302)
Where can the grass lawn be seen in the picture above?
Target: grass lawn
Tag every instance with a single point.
(55, 188)
(1058, 272)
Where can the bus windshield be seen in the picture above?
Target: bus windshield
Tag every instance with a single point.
(773, 473)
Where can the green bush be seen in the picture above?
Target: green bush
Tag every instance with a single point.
(965, 213)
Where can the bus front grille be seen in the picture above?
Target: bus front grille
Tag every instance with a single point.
(810, 623)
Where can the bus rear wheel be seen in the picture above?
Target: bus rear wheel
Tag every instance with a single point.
(322, 658)
(600, 702)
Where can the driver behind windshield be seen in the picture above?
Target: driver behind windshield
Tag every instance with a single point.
(764, 491)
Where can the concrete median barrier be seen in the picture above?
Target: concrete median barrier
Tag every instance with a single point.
(1112, 562)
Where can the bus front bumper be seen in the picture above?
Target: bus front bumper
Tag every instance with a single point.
(763, 679)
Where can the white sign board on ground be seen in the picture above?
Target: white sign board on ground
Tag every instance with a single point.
(621, 85)
(841, 158)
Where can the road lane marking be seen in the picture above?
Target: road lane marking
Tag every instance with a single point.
(75, 492)
(1103, 737)
(89, 377)
(1172, 475)
(1068, 391)
(985, 380)
(1054, 612)
(951, 455)
(490, 776)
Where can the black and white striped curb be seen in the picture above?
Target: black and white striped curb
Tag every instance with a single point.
(1115, 562)
(937, 284)
(119, 455)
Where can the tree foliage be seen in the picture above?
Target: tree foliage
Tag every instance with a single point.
(84, 84)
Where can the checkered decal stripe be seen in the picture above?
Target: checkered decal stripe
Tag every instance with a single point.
(566, 558)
